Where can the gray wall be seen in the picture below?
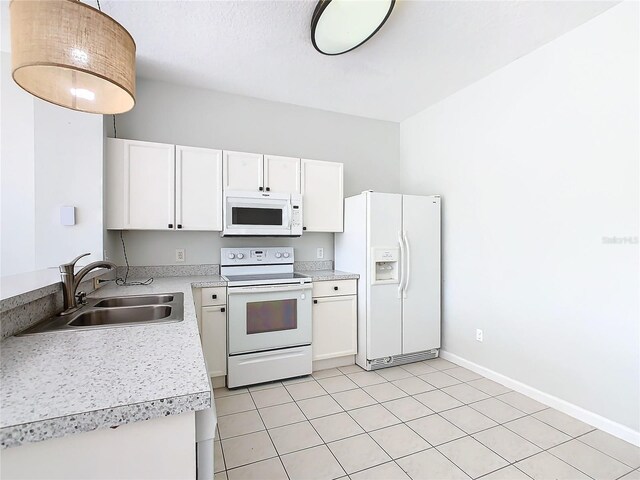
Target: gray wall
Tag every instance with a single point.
(204, 118)
(538, 168)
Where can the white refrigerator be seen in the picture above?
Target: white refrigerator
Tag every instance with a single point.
(393, 242)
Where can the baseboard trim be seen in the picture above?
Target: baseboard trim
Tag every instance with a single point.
(598, 421)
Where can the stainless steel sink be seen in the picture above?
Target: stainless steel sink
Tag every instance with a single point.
(114, 316)
(134, 300)
(117, 312)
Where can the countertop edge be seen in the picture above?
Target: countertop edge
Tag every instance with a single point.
(47, 429)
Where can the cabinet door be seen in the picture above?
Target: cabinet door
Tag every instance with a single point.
(242, 171)
(281, 174)
(198, 188)
(149, 186)
(214, 339)
(335, 324)
(322, 201)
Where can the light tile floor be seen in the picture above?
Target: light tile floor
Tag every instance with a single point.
(427, 420)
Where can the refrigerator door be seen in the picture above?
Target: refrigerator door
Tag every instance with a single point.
(421, 302)
(384, 307)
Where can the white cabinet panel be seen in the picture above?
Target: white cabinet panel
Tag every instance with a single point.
(162, 447)
(334, 288)
(334, 327)
(322, 201)
(243, 171)
(281, 174)
(198, 188)
(140, 185)
(214, 339)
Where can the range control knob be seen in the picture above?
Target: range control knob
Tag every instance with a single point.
(278, 254)
(232, 256)
(241, 255)
(286, 254)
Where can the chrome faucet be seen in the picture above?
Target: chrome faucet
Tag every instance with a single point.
(71, 280)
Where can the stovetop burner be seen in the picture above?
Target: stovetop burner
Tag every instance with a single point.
(259, 266)
(261, 278)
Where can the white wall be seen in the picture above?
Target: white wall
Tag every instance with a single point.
(17, 176)
(536, 164)
(50, 157)
(205, 118)
(68, 171)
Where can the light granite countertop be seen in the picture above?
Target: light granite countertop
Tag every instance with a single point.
(59, 383)
(328, 275)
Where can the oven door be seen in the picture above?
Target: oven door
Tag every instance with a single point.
(268, 317)
(251, 213)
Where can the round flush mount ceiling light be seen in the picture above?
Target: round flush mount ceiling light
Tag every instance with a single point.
(72, 55)
(339, 26)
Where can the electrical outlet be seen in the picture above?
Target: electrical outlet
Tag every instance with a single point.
(179, 254)
(478, 335)
(320, 253)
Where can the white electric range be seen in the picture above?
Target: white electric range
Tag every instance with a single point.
(269, 315)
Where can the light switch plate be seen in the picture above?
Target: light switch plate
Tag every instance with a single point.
(67, 216)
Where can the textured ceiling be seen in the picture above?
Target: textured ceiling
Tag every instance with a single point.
(426, 51)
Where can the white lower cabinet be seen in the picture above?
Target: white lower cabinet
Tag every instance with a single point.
(163, 447)
(335, 323)
(214, 339)
(213, 329)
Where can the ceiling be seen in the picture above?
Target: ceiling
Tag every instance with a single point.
(426, 51)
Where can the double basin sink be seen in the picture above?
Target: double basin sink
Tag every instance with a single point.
(120, 311)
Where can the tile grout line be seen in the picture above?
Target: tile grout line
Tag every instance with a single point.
(462, 382)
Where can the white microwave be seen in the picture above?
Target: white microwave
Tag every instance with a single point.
(269, 214)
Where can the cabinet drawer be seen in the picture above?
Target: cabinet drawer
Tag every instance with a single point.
(214, 296)
(334, 288)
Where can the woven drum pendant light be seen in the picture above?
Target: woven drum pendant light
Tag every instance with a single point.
(70, 54)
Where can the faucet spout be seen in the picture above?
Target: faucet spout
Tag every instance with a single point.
(71, 280)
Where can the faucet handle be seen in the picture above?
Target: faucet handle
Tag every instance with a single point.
(81, 298)
(65, 266)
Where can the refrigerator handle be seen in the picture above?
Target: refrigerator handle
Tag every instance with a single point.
(406, 276)
(401, 266)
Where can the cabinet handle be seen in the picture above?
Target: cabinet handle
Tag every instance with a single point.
(179, 225)
(304, 228)
(214, 296)
(315, 301)
(260, 188)
(223, 309)
(335, 288)
(171, 225)
(268, 189)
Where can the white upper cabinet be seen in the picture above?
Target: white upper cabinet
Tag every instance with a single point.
(140, 185)
(243, 171)
(322, 196)
(281, 174)
(155, 186)
(198, 188)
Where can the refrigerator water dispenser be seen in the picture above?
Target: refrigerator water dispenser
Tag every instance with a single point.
(385, 265)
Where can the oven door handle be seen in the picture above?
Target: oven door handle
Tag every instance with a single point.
(269, 288)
